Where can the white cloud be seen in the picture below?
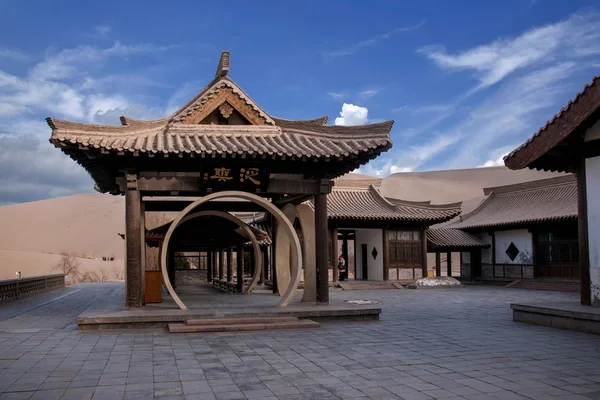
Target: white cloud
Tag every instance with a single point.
(335, 95)
(499, 162)
(352, 115)
(578, 36)
(386, 169)
(368, 93)
(354, 48)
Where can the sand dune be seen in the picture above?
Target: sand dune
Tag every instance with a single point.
(35, 264)
(451, 186)
(84, 223)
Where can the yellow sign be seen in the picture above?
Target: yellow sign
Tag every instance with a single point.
(249, 174)
(221, 175)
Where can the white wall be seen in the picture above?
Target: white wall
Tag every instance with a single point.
(592, 173)
(593, 133)
(522, 239)
(372, 238)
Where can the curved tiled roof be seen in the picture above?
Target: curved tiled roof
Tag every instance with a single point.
(557, 129)
(448, 238)
(312, 141)
(547, 200)
(370, 204)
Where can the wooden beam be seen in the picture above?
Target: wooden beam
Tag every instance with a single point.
(193, 184)
(449, 264)
(438, 264)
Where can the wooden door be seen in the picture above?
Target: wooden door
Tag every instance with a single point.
(365, 258)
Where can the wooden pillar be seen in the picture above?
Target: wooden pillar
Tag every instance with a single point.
(221, 264)
(263, 268)
(386, 255)
(229, 264)
(240, 268)
(321, 248)
(334, 253)
(215, 265)
(424, 252)
(449, 263)
(275, 226)
(584, 251)
(438, 264)
(253, 265)
(133, 208)
(493, 235)
(209, 266)
(143, 246)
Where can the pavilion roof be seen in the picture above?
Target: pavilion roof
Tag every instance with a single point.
(452, 239)
(369, 204)
(542, 201)
(548, 148)
(242, 130)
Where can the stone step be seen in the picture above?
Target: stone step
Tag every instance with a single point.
(369, 286)
(302, 323)
(239, 320)
(542, 284)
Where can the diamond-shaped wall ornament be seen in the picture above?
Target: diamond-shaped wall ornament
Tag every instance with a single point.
(512, 251)
(374, 253)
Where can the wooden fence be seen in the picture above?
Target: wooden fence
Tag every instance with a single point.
(15, 288)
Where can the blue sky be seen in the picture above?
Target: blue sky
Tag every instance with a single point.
(465, 81)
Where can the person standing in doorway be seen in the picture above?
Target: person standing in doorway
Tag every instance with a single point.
(342, 267)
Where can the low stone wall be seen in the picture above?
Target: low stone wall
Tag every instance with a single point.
(190, 276)
(15, 288)
(569, 315)
(515, 271)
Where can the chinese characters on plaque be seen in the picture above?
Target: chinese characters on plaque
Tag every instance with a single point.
(249, 178)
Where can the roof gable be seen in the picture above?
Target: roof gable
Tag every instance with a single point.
(224, 95)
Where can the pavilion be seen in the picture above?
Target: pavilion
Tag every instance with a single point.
(222, 153)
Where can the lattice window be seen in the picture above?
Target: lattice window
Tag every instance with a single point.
(406, 252)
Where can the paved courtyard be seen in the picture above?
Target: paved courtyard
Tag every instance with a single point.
(429, 344)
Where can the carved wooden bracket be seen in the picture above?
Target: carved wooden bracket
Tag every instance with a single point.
(132, 183)
(226, 109)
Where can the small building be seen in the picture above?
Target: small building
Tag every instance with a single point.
(530, 230)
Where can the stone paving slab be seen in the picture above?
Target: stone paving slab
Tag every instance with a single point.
(441, 344)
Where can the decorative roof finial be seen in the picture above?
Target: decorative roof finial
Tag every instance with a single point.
(223, 67)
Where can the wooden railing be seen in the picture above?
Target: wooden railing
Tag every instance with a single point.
(15, 288)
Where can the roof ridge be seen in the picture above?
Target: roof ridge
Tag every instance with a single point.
(531, 185)
(382, 198)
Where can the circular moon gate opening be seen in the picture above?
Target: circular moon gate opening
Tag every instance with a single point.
(282, 221)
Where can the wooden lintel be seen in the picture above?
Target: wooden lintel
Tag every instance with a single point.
(304, 186)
